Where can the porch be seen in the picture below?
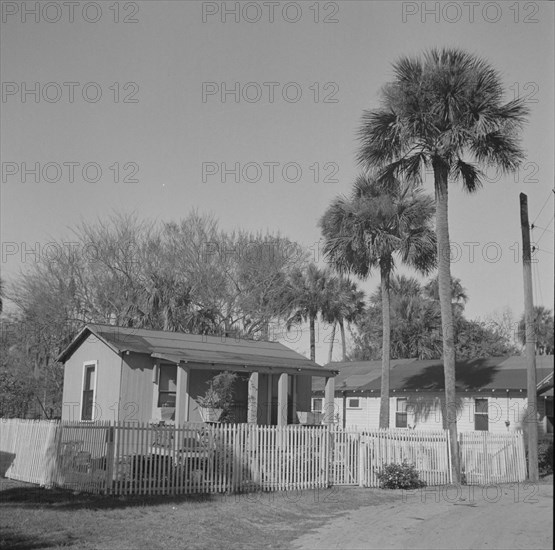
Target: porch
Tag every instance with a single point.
(262, 395)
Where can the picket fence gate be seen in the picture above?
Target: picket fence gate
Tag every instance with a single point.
(146, 459)
(427, 450)
(492, 458)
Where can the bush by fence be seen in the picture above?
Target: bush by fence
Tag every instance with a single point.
(400, 476)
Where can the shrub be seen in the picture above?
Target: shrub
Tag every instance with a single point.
(399, 476)
(545, 457)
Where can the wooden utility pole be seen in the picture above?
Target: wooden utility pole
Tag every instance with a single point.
(530, 331)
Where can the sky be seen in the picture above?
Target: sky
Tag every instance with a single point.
(250, 111)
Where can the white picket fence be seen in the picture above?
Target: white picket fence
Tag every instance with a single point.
(84, 457)
(144, 459)
(200, 458)
(428, 451)
(28, 449)
(492, 458)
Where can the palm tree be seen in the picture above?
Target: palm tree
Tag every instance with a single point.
(543, 328)
(307, 298)
(368, 231)
(459, 297)
(344, 303)
(443, 111)
(415, 321)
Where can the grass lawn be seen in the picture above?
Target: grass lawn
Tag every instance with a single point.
(31, 517)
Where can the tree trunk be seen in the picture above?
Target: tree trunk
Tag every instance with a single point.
(343, 341)
(386, 348)
(331, 341)
(312, 340)
(444, 276)
(265, 331)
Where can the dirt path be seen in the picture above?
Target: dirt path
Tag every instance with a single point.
(500, 516)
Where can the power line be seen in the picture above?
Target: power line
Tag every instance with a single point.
(540, 227)
(534, 248)
(545, 229)
(546, 201)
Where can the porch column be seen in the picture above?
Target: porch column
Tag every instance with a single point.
(294, 399)
(182, 395)
(252, 401)
(283, 388)
(329, 404)
(270, 379)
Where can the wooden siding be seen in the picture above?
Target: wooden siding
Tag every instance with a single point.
(137, 389)
(108, 373)
(425, 411)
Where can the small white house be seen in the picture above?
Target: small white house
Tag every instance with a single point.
(491, 394)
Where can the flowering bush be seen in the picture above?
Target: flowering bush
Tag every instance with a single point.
(399, 476)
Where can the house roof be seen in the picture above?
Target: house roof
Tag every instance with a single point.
(486, 374)
(193, 348)
(545, 386)
(354, 374)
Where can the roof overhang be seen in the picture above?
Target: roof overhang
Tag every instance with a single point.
(206, 360)
(241, 366)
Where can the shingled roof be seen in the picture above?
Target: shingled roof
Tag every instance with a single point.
(486, 374)
(193, 348)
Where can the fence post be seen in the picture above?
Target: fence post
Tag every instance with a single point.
(57, 473)
(449, 456)
(361, 461)
(327, 454)
(110, 458)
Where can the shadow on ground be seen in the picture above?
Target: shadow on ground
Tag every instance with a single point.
(10, 538)
(24, 495)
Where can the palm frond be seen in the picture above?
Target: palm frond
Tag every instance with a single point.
(469, 174)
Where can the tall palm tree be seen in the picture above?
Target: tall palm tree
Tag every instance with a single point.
(344, 303)
(443, 111)
(369, 230)
(307, 296)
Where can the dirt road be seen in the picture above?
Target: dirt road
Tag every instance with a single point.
(497, 516)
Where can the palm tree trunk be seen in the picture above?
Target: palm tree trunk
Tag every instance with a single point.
(444, 275)
(312, 340)
(331, 341)
(386, 348)
(343, 341)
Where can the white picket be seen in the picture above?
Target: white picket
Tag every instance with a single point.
(146, 459)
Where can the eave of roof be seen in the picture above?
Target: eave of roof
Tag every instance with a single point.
(78, 340)
(202, 350)
(492, 374)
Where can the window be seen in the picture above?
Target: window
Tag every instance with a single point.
(89, 384)
(167, 386)
(401, 413)
(481, 421)
(354, 404)
(317, 405)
